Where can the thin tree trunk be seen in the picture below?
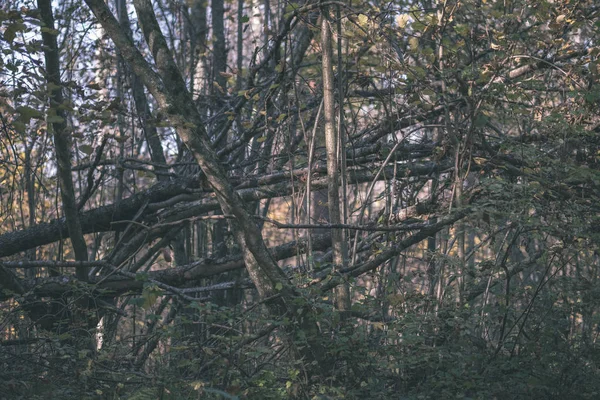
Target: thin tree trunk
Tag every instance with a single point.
(219, 66)
(62, 140)
(157, 155)
(198, 37)
(239, 46)
(30, 188)
(339, 247)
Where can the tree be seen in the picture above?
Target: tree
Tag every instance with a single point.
(143, 161)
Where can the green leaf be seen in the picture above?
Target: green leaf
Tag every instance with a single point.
(480, 120)
(27, 113)
(141, 276)
(19, 126)
(86, 148)
(55, 119)
(50, 31)
(291, 7)
(136, 301)
(11, 31)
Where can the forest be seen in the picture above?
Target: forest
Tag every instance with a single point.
(260, 199)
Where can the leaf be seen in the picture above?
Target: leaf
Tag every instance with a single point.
(402, 20)
(136, 301)
(141, 276)
(218, 87)
(55, 119)
(419, 72)
(11, 31)
(291, 7)
(86, 149)
(413, 42)
(480, 120)
(49, 31)
(150, 297)
(363, 20)
(19, 126)
(245, 19)
(27, 113)
(52, 86)
(461, 29)
(93, 85)
(378, 325)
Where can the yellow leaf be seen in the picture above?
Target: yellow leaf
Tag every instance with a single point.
(402, 20)
(378, 325)
(363, 20)
(413, 42)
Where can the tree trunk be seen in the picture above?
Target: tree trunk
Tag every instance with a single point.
(338, 242)
(62, 140)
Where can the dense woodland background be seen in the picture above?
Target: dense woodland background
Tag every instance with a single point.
(315, 199)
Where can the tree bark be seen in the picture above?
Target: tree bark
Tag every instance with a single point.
(338, 241)
(62, 140)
